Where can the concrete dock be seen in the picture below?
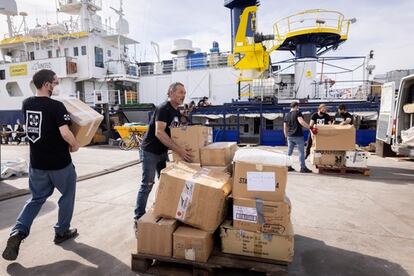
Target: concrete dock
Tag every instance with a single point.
(344, 224)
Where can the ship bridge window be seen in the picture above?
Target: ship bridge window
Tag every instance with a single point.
(83, 50)
(58, 53)
(2, 74)
(13, 89)
(75, 51)
(66, 52)
(49, 54)
(99, 57)
(108, 53)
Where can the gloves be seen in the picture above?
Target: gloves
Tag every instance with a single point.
(314, 130)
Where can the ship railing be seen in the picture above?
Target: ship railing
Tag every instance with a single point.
(191, 62)
(122, 67)
(311, 20)
(111, 97)
(341, 90)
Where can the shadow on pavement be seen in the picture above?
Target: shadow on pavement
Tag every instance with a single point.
(105, 263)
(314, 257)
(12, 208)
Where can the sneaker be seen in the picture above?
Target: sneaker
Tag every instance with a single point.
(69, 234)
(13, 245)
(305, 170)
(291, 169)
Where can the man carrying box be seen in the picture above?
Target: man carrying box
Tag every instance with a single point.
(157, 141)
(51, 166)
(292, 128)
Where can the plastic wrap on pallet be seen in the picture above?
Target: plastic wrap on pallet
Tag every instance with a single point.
(263, 155)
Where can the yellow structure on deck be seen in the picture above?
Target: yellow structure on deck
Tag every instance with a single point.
(27, 38)
(323, 28)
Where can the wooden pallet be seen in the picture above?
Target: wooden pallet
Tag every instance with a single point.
(216, 262)
(342, 170)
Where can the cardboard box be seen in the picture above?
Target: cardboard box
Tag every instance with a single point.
(334, 137)
(85, 120)
(264, 182)
(262, 245)
(328, 158)
(192, 244)
(356, 159)
(197, 166)
(155, 235)
(226, 169)
(192, 137)
(218, 154)
(194, 196)
(261, 216)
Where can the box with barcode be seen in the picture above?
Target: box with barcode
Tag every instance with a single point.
(261, 216)
(265, 182)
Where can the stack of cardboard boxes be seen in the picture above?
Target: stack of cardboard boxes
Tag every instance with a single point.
(191, 199)
(261, 225)
(334, 145)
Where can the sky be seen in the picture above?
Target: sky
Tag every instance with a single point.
(384, 26)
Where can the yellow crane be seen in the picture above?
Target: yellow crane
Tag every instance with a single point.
(307, 34)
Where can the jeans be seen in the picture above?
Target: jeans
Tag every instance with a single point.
(42, 184)
(300, 142)
(151, 163)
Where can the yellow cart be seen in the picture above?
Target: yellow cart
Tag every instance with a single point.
(131, 135)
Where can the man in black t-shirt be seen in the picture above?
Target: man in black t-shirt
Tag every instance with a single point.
(292, 128)
(157, 141)
(342, 117)
(51, 165)
(317, 118)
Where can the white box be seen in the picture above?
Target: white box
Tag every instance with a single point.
(356, 159)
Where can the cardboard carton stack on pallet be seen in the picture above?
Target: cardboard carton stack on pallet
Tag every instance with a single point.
(191, 199)
(261, 225)
(334, 145)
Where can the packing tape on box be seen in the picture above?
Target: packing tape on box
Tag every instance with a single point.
(259, 167)
(267, 236)
(79, 106)
(187, 195)
(259, 210)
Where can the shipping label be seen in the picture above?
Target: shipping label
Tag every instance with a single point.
(185, 199)
(246, 214)
(261, 181)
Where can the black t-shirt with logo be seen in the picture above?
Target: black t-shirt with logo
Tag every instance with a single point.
(44, 116)
(165, 113)
(322, 119)
(294, 127)
(341, 117)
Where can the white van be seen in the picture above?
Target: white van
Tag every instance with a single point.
(395, 126)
